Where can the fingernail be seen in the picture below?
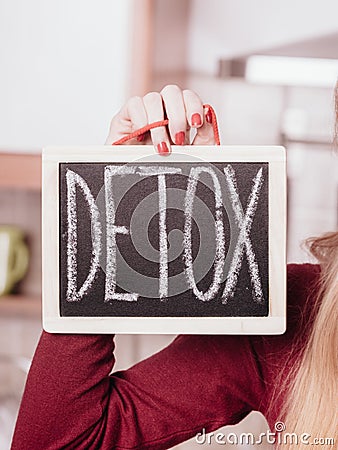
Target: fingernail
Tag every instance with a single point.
(180, 138)
(162, 148)
(141, 137)
(208, 116)
(196, 120)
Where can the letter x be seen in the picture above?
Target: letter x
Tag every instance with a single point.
(244, 223)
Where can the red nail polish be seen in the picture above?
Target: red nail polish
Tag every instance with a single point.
(180, 138)
(162, 148)
(196, 120)
(208, 116)
(141, 137)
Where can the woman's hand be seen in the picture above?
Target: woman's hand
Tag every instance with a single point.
(183, 109)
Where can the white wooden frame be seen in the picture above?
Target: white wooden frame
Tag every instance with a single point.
(275, 323)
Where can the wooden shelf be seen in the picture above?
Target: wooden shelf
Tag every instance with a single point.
(20, 171)
(20, 306)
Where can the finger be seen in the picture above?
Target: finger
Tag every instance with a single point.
(174, 106)
(138, 116)
(130, 118)
(205, 133)
(194, 108)
(154, 108)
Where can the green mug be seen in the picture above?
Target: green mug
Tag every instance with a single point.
(14, 257)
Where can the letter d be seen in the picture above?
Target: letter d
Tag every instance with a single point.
(202, 435)
(73, 180)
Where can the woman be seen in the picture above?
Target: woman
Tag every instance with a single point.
(198, 382)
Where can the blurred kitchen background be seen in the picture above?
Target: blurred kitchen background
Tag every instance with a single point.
(268, 68)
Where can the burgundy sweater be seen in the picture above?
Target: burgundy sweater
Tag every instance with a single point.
(71, 401)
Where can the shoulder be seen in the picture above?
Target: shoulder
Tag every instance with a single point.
(301, 277)
(280, 353)
(303, 282)
(302, 292)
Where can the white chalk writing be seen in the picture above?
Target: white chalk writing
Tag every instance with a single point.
(163, 237)
(220, 244)
(111, 231)
(241, 248)
(244, 224)
(73, 180)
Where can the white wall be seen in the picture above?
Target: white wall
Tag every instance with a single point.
(64, 67)
(223, 28)
(170, 31)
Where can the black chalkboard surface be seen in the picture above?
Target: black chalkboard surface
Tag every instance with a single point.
(136, 242)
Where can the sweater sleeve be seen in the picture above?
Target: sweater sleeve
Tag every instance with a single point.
(71, 401)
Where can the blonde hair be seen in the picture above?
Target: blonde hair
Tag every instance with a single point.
(312, 385)
(312, 393)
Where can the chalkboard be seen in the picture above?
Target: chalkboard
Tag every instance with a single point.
(135, 242)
